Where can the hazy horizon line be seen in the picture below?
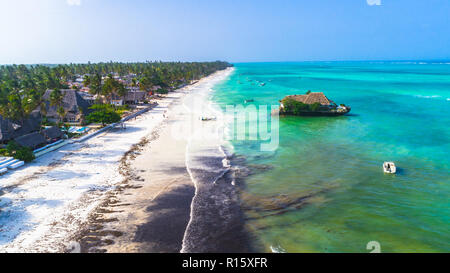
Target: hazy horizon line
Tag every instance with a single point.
(243, 62)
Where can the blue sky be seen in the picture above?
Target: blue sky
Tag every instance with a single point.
(60, 31)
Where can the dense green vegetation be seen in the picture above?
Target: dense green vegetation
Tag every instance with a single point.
(18, 152)
(162, 91)
(22, 87)
(296, 107)
(104, 113)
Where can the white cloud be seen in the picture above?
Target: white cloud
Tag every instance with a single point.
(374, 2)
(74, 2)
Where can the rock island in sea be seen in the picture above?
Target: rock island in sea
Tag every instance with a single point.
(311, 104)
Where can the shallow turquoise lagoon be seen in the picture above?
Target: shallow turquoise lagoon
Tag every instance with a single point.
(326, 176)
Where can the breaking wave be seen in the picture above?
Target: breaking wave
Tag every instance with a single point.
(216, 222)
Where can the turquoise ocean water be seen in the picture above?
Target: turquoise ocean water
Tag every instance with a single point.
(323, 189)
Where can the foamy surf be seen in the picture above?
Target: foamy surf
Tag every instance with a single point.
(277, 249)
(216, 223)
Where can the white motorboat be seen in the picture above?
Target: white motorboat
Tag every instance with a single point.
(389, 167)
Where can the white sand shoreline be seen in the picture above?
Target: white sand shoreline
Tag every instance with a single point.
(45, 203)
(151, 210)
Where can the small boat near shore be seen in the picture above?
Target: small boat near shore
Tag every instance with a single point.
(389, 167)
(248, 101)
(208, 118)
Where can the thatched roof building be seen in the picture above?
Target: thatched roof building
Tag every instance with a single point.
(87, 97)
(10, 129)
(52, 133)
(311, 104)
(33, 140)
(135, 97)
(72, 103)
(132, 97)
(31, 124)
(7, 129)
(313, 97)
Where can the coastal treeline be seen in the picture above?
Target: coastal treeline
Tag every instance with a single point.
(22, 87)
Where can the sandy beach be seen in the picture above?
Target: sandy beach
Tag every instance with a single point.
(124, 190)
(161, 207)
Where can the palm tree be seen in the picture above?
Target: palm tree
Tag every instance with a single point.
(56, 98)
(82, 116)
(30, 100)
(96, 85)
(145, 84)
(86, 80)
(61, 113)
(110, 87)
(43, 111)
(13, 108)
(121, 91)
